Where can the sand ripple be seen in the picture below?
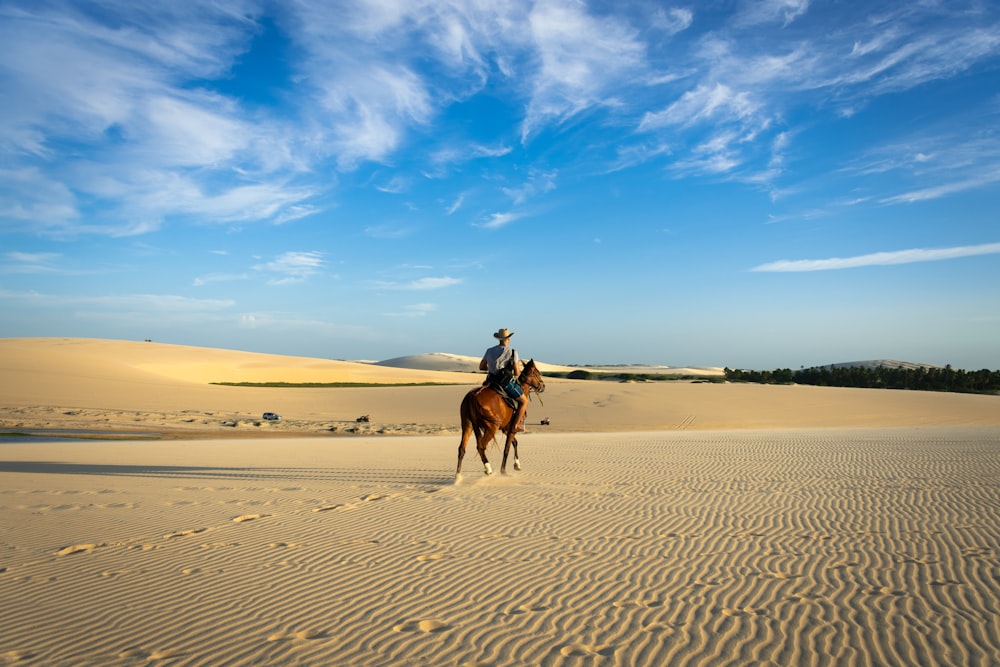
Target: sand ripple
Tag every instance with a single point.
(813, 547)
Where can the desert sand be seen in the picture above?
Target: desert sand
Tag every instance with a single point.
(653, 523)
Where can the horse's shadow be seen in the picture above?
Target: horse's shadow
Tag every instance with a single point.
(355, 475)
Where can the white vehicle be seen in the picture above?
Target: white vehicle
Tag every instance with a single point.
(272, 416)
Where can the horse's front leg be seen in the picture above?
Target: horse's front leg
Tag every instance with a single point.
(511, 440)
(506, 449)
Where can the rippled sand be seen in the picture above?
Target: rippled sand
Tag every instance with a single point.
(875, 546)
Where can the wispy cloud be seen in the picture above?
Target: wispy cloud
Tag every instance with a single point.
(942, 160)
(414, 310)
(944, 190)
(30, 262)
(879, 259)
(455, 205)
(538, 182)
(583, 59)
(672, 20)
(498, 220)
(426, 283)
(210, 278)
(771, 11)
(129, 304)
(292, 267)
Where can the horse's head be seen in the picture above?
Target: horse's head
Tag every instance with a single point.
(531, 376)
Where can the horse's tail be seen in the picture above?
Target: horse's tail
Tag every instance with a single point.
(467, 413)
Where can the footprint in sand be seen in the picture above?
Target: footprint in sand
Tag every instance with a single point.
(527, 608)
(946, 582)
(657, 627)
(142, 654)
(881, 590)
(300, 634)
(327, 508)
(118, 573)
(219, 545)
(585, 650)
(426, 557)
(422, 626)
(248, 517)
(742, 611)
(12, 657)
(970, 552)
(626, 604)
(77, 549)
(183, 533)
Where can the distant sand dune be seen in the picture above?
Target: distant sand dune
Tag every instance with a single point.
(442, 361)
(163, 389)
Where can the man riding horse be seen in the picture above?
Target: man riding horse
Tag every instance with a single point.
(485, 410)
(503, 368)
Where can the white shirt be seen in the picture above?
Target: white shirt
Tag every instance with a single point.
(498, 357)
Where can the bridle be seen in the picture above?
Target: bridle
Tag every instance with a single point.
(525, 379)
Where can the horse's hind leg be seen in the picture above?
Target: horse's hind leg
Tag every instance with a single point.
(483, 439)
(517, 461)
(466, 432)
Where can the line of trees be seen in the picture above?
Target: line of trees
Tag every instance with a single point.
(882, 377)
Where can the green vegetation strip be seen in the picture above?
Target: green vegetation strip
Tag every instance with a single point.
(324, 385)
(631, 377)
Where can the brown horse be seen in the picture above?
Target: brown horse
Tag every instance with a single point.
(485, 412)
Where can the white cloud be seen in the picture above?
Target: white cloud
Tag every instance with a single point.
(582, 58)
(497, 220)
(770, 11)
(32, 257)
(455, 205)
(672, 20)
(292, 267)
(879, 259)
(428, 283)
(538, 182)
(432, 283)
(209, 278)
(945, 189)
(718, 102)
(31, 262)
(130, 304)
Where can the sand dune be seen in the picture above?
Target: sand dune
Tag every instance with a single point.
(442, 361)
(158, 388)
(681, 523)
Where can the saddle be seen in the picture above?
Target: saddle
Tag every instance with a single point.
(498, 383)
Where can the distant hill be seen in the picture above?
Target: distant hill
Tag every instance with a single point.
(879, 363)
(443, 361)
(434, 361)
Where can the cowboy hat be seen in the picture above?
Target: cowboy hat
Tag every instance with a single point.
(503, 333)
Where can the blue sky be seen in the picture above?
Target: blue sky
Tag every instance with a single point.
(776, 183)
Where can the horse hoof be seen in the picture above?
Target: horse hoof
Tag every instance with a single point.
(517, 464)
(489, 469)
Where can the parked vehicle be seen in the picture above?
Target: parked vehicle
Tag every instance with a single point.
(272, 416)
